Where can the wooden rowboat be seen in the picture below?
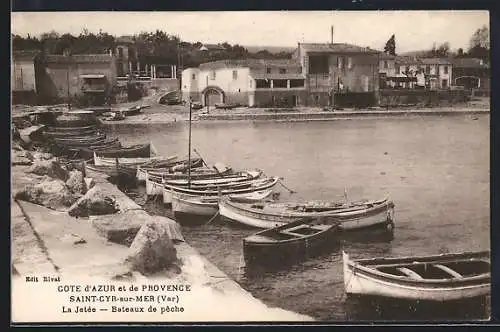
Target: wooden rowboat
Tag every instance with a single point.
(291, 241)
(208, 206)
(237, 180)
(445, 277)
(103, 161)
(352, 216)
(133, 151)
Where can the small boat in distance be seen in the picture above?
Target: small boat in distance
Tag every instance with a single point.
(445, 277)
(294, 240)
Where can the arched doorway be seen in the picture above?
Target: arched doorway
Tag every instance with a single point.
(468, 82)
(212, 95)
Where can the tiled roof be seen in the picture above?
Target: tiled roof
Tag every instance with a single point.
(212, 47)
(385, 56)
(407, 60)
(435, 61)
(336, 48)
(469, 63)
(125, 40)
(82, 58)
(250, 63)
(25, 55)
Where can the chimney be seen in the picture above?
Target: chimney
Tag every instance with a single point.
(331, 34)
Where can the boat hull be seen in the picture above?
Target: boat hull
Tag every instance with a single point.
(135, 151)
(380, 218)
(360, 282)
(271, 253)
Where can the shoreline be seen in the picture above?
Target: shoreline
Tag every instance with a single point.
(298, 116)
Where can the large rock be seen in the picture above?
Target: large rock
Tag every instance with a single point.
(51, 193)
(120, 228)
(76, 183)
(49, 167)
(39, 155)
(21, 157)
(152, 249)
(95, 202)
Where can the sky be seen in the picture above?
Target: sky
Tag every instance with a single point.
(414, 30)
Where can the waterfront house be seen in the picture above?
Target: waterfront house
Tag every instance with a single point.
(438, 72)
(125, 54)
(23, 68)
(430, 73)
(339, 73)
(472, 73)
(250, 82)
(212, 48)
(77, 75)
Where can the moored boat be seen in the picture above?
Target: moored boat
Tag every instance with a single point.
(256, 185)
(294, 240)
(103, 161)
(208, 206)
(445, 277)
(178, 170)
(234, 181)
(133, 151)
(352, 216)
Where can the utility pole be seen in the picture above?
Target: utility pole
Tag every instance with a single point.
(179, 62)
(189, 152)
(67, 84)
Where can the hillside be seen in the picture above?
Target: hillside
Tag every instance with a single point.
(270, 49)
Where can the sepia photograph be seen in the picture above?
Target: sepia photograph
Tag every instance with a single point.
(250, 166)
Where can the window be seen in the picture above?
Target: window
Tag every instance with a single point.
(262, 84)
(193, 76)
(446, 69)
(427, 69)
(340, 63)
(282, 70)
(268, 70)
(120, 52)
(444, 84)
(296, 83)
(279, 83)
(386, 64)
(349, 63)
(250, 83)
(212, 75)
(235, 74)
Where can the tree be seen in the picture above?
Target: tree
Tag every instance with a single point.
(481, 37)
(479, 46)
(390, 46)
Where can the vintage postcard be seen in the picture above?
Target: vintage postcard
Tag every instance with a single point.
(286, 166)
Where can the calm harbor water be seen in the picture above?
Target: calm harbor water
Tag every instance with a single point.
(436, 169)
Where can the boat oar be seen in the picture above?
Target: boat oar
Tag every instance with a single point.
(282, 184)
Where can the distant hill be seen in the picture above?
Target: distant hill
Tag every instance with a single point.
(270, 49)
(420, 53)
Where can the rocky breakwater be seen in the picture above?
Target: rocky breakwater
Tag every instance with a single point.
(90, 233)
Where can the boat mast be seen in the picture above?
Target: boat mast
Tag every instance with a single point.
(189, 152)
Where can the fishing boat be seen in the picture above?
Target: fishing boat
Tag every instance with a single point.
(352, 216)
(239, 180)
(177, 170)
(70, 134)
(102, 161)
(80, 140)
(255, 185)
(132, 110)
(208, 206)
(70, 129)
(133, 151)
(290, 241)
(440, 278)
